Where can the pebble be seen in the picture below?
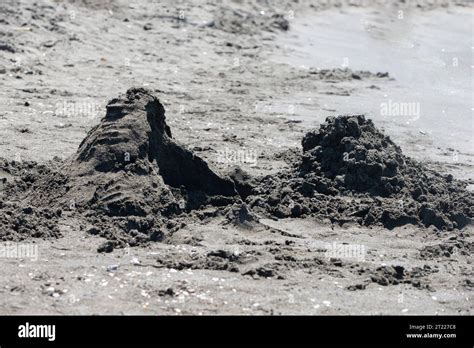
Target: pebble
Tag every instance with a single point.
(112, 268)
(135, 261)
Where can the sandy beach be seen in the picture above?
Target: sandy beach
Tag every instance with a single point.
(193, 158)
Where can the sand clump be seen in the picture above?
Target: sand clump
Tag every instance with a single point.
(19, 220)
(346, 74)
(350, 171)
(249, 23)
(19, 223)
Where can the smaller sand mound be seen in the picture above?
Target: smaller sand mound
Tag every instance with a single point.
(350, 151)
(350, 171)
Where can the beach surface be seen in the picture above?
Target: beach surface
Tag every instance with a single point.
(241, 84)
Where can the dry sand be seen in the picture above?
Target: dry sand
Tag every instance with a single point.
(234, 94)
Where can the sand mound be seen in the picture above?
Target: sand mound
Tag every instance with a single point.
(130, 164)
(129, 177)
(350, 171)
(350, 151)
(130, 170)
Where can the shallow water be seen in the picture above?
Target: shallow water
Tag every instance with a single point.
(428, 53)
